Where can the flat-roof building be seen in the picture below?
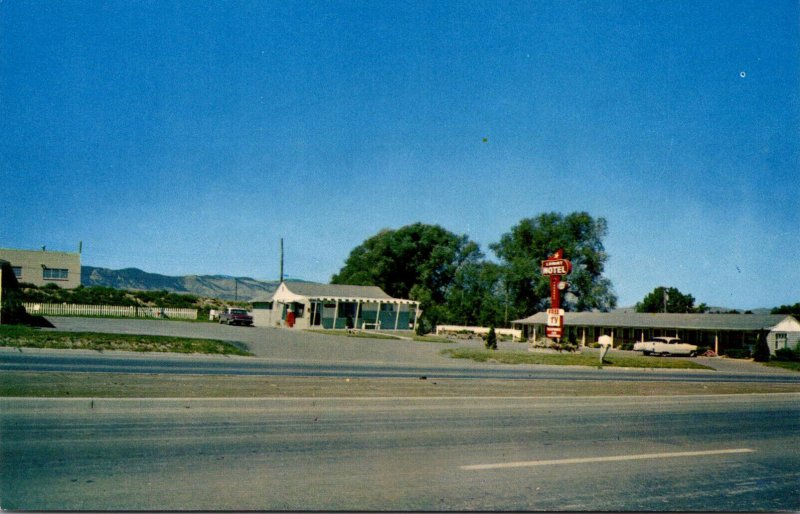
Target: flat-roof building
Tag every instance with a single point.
(42, 267)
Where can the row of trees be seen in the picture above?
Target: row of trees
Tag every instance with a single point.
(456, 284)
(669, 299)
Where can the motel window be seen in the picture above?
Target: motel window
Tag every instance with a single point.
(55, 274)
(347, 309)
(17, 271)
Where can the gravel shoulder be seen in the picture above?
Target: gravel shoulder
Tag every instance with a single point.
(118, 385)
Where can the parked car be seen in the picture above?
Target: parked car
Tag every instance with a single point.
(665, 346)
(233, 316)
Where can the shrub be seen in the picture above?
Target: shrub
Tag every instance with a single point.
(421, 328)
(761, 353)
(738, 353)
(787, 354)
(491, 339)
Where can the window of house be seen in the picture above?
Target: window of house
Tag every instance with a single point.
(347, 309)
(55, 274)
(781, 341)
(17, 271)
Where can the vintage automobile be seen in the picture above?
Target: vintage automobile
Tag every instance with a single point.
(233, 316)
(665, 346)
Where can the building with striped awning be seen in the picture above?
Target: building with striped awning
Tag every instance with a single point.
(334, 306)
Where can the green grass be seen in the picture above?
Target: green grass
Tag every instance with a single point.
(432, 339)
(568, 359)
(792, 365)
(25, 337)
(345, 333)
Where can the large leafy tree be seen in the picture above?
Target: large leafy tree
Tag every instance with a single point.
(675, 301)
(533, 240)
(417, 261)
(476, 295)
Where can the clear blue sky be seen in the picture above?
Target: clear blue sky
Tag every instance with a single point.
(189, 137)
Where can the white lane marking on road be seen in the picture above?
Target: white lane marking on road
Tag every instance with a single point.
(613, 458)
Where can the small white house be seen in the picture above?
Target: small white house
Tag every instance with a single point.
(785, 334)
(333, 306)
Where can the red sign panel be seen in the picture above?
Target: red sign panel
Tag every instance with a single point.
(556, 267)
(554, 332)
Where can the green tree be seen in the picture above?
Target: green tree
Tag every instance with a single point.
(674, 299)
(794, 310)
(417, 261)
(475, 297)
(533, 240)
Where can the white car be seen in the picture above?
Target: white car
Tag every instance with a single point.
(665, 346)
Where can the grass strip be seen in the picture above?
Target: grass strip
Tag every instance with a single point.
(346, 333)
(792, 365)
(568, 359)
(432, 339)
(24, 337)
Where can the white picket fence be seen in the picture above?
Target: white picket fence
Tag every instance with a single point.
(64, 309)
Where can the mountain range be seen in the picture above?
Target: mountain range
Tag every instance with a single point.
(211, 286)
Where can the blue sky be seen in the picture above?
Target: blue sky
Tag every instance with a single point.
(189, 137)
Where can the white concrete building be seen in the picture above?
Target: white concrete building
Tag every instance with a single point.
(42, 267)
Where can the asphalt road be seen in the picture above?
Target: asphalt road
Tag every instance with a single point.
(723, 453)
(156, 363)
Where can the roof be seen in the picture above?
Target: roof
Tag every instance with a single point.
(340, 292)
(662, 320)
(313, 290)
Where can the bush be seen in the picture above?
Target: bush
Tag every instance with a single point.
(762, 349)
(422, 327)
(491, 339)
(787, 354)
(738, 353)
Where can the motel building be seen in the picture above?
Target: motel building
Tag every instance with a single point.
(718, 332)
(305, 305)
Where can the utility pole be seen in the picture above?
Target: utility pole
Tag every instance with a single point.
(281, 260)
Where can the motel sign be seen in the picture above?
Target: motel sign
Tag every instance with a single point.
(555, 267)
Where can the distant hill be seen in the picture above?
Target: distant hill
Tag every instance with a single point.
(211, 286)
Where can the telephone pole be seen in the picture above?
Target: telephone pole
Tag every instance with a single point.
(281, 260)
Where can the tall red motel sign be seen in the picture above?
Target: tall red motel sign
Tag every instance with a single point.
(556, 266)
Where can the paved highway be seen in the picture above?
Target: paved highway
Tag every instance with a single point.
(128, 362)
(724, 453)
